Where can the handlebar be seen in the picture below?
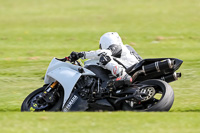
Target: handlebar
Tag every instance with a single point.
(68, 59)
(63, 59)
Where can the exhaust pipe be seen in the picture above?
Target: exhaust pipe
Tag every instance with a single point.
(154, 67)
(158, 66)
(172, 77)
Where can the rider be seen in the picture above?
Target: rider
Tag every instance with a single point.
(111, 53)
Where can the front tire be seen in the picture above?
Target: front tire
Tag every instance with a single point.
(27, 105)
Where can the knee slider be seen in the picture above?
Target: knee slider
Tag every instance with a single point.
(104, 59)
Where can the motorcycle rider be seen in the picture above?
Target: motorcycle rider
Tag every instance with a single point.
(113, 56)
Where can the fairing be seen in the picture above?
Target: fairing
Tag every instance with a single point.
(66, 74)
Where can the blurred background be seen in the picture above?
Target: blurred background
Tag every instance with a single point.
(33, 32)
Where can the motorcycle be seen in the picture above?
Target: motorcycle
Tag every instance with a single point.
(72, 86)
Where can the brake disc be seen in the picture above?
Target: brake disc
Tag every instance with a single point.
(150, 91)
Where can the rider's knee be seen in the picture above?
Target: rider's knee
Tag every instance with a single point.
(118, 71)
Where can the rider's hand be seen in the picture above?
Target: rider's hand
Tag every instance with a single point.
(81, 54)
(75, 55)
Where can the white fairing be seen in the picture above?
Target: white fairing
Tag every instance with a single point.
(66, 74)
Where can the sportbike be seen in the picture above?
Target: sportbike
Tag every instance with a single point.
(72, 86)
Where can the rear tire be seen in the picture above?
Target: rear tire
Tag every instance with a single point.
(56, 107)
(167, 99)
(163, 104)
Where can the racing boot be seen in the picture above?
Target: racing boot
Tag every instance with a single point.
(123, 80)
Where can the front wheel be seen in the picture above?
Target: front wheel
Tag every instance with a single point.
(34, 102)
(161, 97)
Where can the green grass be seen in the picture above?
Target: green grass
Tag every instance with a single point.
(33, 32)
(107, 122)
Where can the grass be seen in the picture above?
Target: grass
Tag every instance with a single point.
(99, 122)
(33, 32)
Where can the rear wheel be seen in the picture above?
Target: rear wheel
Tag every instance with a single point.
(160, 97)
(34, 101)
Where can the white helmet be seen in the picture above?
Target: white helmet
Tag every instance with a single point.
(108, 39)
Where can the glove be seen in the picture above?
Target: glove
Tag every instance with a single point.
(81, 54)
(75, 56)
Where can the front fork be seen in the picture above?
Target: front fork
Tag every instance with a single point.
(48, 94)
(51, 87)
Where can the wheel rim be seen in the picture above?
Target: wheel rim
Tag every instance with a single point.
(148, 102)
(37, 104)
